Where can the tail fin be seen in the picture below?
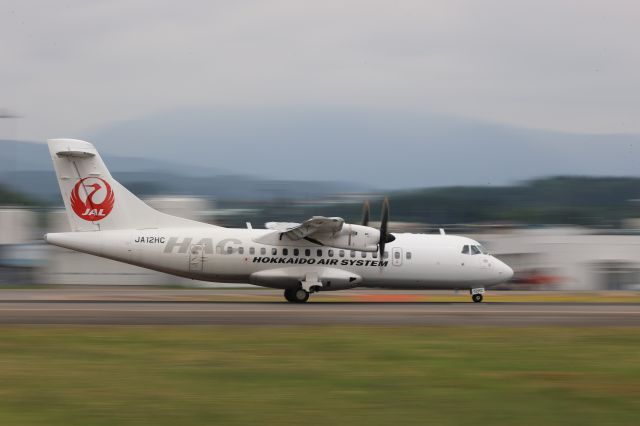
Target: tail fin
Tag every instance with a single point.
(94, 200)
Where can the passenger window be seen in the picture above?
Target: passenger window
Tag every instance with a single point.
(341, 253)
(296, 252)
(274, 251)
(252, 250)
(285, 251)
(319, 252)
(465, 250)
(375, 254)
(229, 250)
(386, 254)
(240, 250)
(353, 253)
(396, 255)
(363, 254)
(475, 250)
(408, 255)
(263, 250)
(307, 252)
(330, 253)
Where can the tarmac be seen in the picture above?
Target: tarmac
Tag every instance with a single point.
(148, 306)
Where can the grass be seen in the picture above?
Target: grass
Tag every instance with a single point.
(127, 375)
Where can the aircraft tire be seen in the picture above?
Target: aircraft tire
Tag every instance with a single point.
(300, 295)
(477, 298)
(289, 294)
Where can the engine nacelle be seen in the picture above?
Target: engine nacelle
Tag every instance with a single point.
(352, 237)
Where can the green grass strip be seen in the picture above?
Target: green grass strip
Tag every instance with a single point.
(132, 375)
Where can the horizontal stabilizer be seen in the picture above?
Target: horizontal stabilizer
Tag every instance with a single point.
(76, 154)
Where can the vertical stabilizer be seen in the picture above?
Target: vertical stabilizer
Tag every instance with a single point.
(95, 201)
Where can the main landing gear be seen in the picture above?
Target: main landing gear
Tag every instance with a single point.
(296, 295)
(309, 285)
(476, 294)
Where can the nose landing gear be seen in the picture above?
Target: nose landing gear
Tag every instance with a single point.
(476, 294)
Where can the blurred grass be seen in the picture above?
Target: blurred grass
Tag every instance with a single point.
(127, 375)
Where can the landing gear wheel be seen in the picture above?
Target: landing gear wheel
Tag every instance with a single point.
(288, 294)
(296, 295)
(300, 295)
(477, 298)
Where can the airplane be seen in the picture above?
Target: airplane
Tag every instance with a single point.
(320, 254)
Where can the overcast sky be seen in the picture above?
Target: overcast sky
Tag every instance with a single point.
(71, 67)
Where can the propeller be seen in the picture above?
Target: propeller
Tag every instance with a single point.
(365, 214)
(385, 237)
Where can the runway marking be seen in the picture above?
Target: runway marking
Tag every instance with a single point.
(372, 311)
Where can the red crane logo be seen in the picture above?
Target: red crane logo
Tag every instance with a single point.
(90, 209)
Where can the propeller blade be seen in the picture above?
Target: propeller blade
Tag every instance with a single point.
(384, 223)
(365, 213)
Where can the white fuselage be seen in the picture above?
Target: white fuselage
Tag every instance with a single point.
(232, 255)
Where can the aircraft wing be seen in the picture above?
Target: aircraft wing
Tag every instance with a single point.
(315, 225)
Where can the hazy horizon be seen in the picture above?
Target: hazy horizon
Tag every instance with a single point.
(395, 95)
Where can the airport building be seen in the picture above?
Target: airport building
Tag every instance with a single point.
(21, 255)
(568, 258)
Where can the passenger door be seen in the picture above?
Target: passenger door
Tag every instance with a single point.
(196, 258)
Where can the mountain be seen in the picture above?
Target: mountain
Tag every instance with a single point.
(20, 156)
(380, 147)
(26, 168)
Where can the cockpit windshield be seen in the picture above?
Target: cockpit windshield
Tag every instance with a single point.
(473, 249)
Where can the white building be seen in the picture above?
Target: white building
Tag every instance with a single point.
(19, 258)
(569, 258)
(17, 226)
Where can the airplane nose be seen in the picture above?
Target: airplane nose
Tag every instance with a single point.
(506, 272)
(503, 271)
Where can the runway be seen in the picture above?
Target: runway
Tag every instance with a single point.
(263, 307)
